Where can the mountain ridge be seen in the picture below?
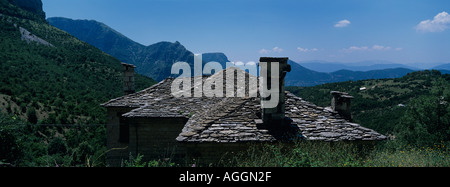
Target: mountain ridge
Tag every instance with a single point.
(33, 6)
(443, 67)
(301, 76)
(156, 60)
(328, 67)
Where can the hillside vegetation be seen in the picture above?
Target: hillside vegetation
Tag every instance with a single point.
(414, 108)
(49, 77)
(63, 82)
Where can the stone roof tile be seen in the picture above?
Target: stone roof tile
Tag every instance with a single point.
(238, 119)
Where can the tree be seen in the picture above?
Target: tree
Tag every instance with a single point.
(31, 115)
(57, 146)
(427, 119)
(10, 146)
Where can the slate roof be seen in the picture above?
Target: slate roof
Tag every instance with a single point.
(238, 119)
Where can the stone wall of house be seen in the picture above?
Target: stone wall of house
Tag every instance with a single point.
(155, 138)
(117, 149)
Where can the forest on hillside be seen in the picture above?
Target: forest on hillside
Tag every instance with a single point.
(62, 84)
(414, 109)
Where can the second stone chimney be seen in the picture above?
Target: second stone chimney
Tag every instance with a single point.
(128, 79)
(341, 103)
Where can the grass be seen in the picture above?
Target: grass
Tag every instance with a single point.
(408, 156)
(340, 154)
(300, 154)
(319, 154)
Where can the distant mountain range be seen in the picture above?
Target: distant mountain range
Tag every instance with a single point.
(301, 76)
(443, 67)
(328, 67)
(156, 60)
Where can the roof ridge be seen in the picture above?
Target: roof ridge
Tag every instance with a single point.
(149, 89)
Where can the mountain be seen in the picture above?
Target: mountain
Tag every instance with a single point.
(346, 75)
(51, 74)
(154, 60)
(25, 9)
(33, 6)
(323, 66)
(328, 67)
(443, 67)
(221, 58)
(100, 36)
(301, 76)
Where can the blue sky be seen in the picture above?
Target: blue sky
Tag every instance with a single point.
(401, 31)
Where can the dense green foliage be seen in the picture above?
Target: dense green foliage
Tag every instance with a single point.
(414, 108)
(33, 6)
(9, 7)
(24, 144)
(60, 84)
(63, 84)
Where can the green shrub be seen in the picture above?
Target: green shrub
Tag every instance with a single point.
(57, 146)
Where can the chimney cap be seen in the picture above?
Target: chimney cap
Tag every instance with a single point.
(341, 94)
(128, 65)
(273, 59)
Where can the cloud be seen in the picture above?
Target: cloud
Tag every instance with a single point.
(381, 48)
(373, 48)
(439, 23)
(263, 51)
(342, 23)
(355, 48)
(274, 50)
(277, 49)
(251, 63)
(305, 50)
(240, 63)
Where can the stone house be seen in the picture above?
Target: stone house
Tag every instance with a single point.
(156, 124)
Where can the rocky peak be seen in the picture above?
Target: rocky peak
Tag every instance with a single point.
(34, 6)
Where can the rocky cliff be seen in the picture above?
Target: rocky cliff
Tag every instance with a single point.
(34, 6)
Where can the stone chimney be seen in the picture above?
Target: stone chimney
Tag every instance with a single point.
(128, 79)
(341, 103)
(277, 113)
